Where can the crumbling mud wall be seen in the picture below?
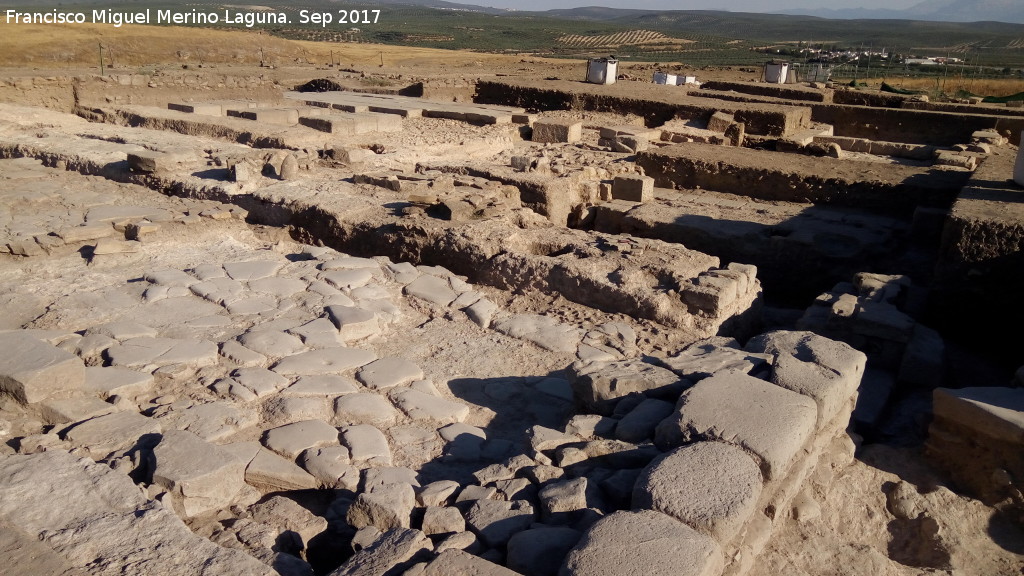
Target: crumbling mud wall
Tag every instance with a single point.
(893, 189)
(650, 101)
(912, 126)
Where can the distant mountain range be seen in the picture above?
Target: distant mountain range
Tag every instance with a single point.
(1011, 11)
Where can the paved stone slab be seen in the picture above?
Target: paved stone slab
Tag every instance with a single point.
(269, 472)
(432, 289)
(99, 522)
(117, 431)
(353, 322)
(261, 381)
(291, 439)
(252, 270)
(239, 354)
(597, 386)
(64, 410)
(364, 408)
(318, 333)
(106, 382)
(282, 410)
(211, 421)
(619, 543)
(146, 352)
(323, 385)
(769, 421)
(327, 361)
(389, 372)
(279, 287)
(32, 370)
(366, 444)
(710, 486)
(271, 343)
(348, 279)
(199, 476)
(251, 305)
(123, 330)
(330, 465)
(421, 406)
(543, 331)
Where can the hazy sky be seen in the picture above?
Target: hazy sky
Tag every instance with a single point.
(731, 5)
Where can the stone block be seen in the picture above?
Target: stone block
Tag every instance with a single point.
(720, 121)
(769, 421)
(597, 386)
(454, 562)
(555, 131)
(103, 435)
(620, 542)
(390, 554)
(200, 476)
(633, 188)
(32, 370)
(712, 487)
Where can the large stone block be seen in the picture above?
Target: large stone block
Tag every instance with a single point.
(32, 370)
(200, 476)
(712, 487)
(623, 542)
(827, 371)
(633, 187)
(554, 131)
(767, 420)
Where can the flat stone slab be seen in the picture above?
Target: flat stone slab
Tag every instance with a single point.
(348, 279)
(366, 444)
(272, 343)
(322, 385)
(353, 322)
(200, 476)
(422, 406)
(252, 270)
(279, 287)
(389, 372)
(769, 421)
(64, 410)
(118, 431)
(432, 289)
(98, 521)
(622, 541)
(327, 361)
(365, 408)
(106, 382)
(269, 472)
(32, 370)
(211, 421)
(147, 352)
(543, 331)
(291, 439)
(710, 486)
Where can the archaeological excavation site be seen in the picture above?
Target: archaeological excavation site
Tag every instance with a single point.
(481, 318)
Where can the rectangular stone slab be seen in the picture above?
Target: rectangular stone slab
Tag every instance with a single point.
(32, 370)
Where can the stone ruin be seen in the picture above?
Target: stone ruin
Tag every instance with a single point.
(370, 334)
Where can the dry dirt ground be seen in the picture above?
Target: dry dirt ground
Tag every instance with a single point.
(842, 524)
